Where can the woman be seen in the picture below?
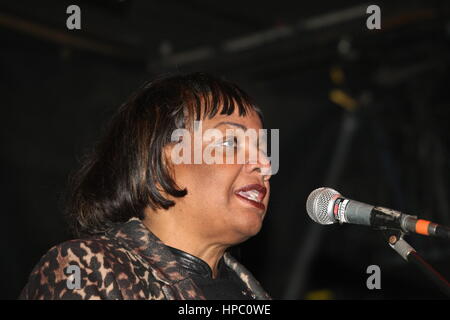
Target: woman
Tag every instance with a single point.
(151, 227)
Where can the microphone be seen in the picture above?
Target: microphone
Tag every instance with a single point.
(327, 206)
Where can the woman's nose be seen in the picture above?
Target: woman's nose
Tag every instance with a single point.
(262, 165)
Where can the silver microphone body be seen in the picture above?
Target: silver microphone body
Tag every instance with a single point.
(327, 206)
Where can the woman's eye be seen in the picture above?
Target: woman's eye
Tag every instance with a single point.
(231, 142)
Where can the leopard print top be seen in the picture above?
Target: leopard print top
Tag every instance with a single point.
(127, 262)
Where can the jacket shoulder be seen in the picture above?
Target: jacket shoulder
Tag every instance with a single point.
(247, 278)
(78, 269)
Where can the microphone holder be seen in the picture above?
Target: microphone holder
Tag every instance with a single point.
(396, 242)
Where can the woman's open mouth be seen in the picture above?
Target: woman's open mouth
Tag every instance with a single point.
(252, 194)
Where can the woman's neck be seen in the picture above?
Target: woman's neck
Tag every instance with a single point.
(175, 235)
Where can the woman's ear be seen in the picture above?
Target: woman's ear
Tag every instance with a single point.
(167, 159)
(169, 167)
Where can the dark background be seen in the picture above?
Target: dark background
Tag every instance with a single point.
(387, 143)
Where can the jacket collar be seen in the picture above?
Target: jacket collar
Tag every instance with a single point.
(196, 266)
(136, 237)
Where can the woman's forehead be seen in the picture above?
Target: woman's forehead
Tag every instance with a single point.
(250, 120)
(211, 112)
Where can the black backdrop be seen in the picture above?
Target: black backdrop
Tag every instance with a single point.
(56, 95)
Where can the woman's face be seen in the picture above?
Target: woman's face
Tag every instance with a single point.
(216, 206)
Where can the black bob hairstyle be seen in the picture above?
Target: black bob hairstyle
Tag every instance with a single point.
(127, 171)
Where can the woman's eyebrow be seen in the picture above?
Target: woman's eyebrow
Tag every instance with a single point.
(235, 124)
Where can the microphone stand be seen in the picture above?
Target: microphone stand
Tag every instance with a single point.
(396, 242)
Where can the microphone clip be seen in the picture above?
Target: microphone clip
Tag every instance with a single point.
(408, 253)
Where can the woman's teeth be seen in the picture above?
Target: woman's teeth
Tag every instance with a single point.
(251, 195)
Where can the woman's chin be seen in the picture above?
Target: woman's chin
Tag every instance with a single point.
(249, 223)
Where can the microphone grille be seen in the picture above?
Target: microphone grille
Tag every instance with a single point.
(317, 205)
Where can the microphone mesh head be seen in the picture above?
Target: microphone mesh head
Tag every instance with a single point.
(318, 204)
